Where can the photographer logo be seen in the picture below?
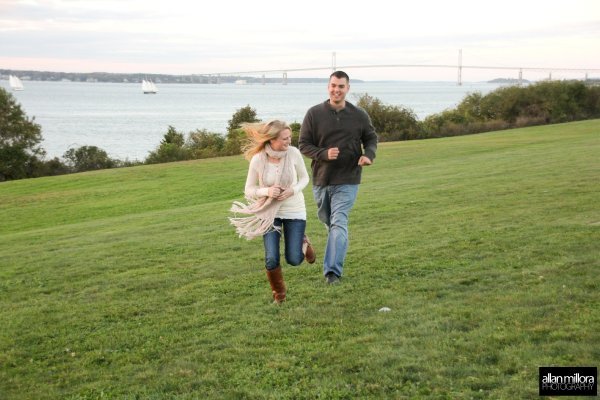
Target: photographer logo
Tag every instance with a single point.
(568, 381)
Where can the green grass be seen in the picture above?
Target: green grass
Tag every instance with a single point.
(130, 284)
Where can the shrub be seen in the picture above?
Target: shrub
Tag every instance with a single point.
(390, 122)
(234, 141)
(167, 152)
(514, 106)
(88, 158)
(171, 149)
(50, 168)
(244, 114)
(295, 127)
(173, 137)
(204, 144)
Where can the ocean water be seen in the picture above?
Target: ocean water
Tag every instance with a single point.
(127, 124)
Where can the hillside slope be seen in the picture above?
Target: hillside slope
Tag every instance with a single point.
(130, 283)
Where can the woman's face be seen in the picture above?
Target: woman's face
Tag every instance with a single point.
(283, 140)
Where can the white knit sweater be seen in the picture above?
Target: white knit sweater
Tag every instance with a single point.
(294, 206)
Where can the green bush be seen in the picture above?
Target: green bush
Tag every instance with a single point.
(234, 141)
(244, 114)
(168, 152)
(88, 158)
(391, 122)
(204, 144)
(295, 127)
(173, 137)
(545, 102)
(171, 149)
(50, 168)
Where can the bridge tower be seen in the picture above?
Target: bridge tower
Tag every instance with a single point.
(520, 76)
(333, 67)
(460, 67)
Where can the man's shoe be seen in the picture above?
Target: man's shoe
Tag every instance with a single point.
(309, 253)
(332, 279)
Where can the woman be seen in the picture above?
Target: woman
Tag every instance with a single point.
(276, 177)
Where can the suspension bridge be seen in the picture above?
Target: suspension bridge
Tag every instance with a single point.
(459, 68)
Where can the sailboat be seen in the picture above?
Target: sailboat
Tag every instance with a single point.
(15, 83)
(148, 87)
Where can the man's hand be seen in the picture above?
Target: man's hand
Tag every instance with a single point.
(333, 153)
(363, 161)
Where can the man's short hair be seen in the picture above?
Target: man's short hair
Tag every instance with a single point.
(340, 75)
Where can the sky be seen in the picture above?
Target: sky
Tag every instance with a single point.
(221, 36)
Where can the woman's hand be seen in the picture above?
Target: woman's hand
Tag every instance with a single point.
(275, 191)
(285, 193)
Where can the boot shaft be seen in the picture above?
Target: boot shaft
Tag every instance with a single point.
(275, 277)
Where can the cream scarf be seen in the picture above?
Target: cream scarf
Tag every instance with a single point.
(262, 210)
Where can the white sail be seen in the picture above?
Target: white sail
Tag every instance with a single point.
(15, 83)
(148, 87)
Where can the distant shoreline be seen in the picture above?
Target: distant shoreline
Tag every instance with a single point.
(111, 77)
(509, 80)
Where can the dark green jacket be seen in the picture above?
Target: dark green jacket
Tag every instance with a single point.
(349, 129)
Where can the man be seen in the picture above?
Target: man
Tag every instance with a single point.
(334, 134)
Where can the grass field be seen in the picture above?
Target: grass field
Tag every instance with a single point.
(130, 284)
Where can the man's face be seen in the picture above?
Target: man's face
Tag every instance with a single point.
(338, 88)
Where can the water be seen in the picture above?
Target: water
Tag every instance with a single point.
(127, 124)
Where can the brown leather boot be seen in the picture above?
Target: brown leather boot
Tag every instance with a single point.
(309, 252)
(277, 284)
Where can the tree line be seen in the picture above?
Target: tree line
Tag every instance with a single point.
(548, 102)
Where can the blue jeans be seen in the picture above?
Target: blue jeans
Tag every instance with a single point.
(293, 233)
(334, 203)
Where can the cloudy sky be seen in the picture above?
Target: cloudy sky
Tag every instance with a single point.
(220, 36)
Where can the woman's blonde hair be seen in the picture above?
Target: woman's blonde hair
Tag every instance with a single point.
(260, 133)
